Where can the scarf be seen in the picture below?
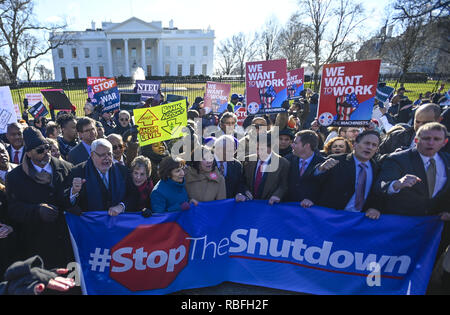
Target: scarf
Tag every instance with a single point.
(144, 194)
(42, 178)
(95, 188)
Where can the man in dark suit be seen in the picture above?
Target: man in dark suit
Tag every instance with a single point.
(99, 184)
(265, 174)
(35, 194)
(224, 150)
(345, 181)
(87, 132)
(415, 182)
(14, 134)
(407, 182)
(303, 160)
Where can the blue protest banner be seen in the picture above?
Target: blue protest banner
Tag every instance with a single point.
(316, 250)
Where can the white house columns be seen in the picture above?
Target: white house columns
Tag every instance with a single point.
(143, 61)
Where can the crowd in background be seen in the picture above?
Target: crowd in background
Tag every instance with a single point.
(398, 164)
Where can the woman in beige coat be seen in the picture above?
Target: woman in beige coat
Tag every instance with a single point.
(204, 181)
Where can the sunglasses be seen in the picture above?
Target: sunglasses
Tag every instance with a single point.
(120, 146)
(124, 119)
(41, 150)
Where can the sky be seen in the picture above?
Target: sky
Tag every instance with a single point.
(226, 18)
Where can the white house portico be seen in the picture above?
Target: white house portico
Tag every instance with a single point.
(117, 49)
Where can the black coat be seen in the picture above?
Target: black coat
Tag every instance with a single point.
(413, 201)
(301, 187)
(233, 179)
(337, 185)
(78, 154)
(401, 138)
(50, 240)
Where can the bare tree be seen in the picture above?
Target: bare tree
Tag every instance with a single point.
(226, 57)
(428, 9)
(416, 19)
(332, 23)
(17, 26)
(293, 43)
(244, 50)
(269, 39)
(44, 73)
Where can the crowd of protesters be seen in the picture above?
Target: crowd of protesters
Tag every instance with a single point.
(398, 164)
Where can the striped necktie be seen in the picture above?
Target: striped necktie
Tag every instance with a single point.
(361, 187)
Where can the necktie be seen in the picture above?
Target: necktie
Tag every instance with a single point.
(302, 167)
(105, 180)
(258, 180)
(222, 168)
(431, 177)
(361, 187)
(16, 157)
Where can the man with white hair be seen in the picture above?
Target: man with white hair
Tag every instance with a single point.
(99, 184)
(224, 150)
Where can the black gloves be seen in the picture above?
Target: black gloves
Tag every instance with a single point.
(23, 276)
(146, 213)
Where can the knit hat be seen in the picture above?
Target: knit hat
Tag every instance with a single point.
(33, 138)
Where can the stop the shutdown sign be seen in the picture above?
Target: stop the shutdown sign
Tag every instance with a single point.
(150, 257)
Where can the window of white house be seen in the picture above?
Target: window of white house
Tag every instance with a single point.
(192, 70)
(167, 70)
(101, 71)
(180, 51)
(63, 73)
(75, 73)
(119, 52)
(99, 52)
(180, 70)
(148, 52)
(192, 51)
(204, 69)
(88, 72)
(133, 53)
(167, 51)
(86, 53)
(74, 53)
(205, 51)
(60, 53)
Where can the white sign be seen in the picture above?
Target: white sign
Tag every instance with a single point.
(33, 99)
(7, 111)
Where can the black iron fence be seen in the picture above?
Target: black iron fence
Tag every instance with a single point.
(76, 90)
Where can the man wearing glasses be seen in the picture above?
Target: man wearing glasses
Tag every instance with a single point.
(87, 131)
(99, 184)
(35, 198)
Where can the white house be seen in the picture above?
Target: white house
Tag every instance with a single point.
(117, 49)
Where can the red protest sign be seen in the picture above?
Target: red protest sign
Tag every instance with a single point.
(216, 97)
(347, 93)
(104, 85)
(266, 86)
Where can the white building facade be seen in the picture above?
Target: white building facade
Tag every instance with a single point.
(117, 49)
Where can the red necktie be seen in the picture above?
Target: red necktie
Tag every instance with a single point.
(16, 158)
(258, 179)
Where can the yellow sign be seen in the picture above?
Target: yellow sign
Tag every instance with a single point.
(161, 123)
